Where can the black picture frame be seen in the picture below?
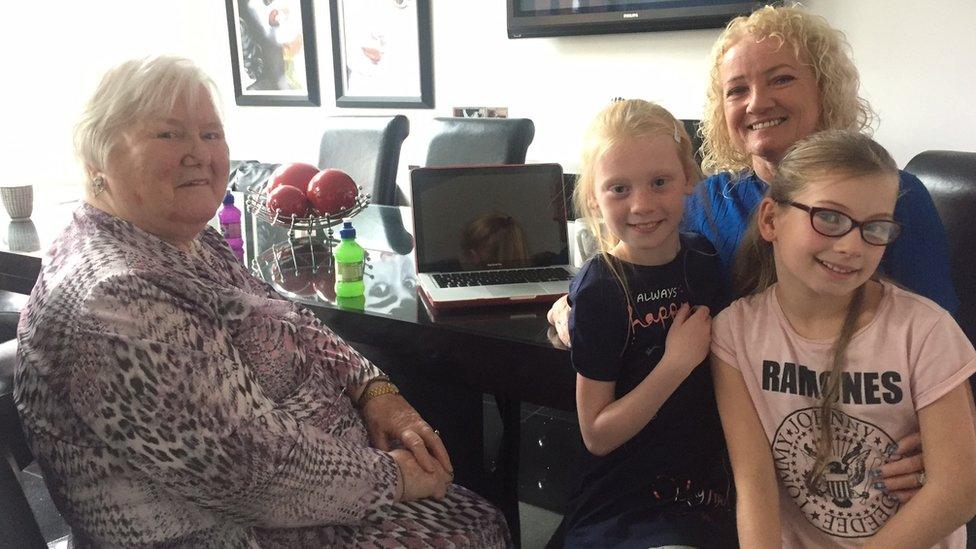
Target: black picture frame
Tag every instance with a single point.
(272, 73)
(361, 79)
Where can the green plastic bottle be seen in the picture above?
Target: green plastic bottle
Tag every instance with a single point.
(357, 303)
(349, 260)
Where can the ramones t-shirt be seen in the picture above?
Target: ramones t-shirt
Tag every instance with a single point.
(673, 473)
(911, 354)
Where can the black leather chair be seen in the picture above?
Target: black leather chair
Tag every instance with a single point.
(10, 306)
(691, 126)
(248, 175)
(468, 141)
(368, 149)
(18, 527)
(950, 176)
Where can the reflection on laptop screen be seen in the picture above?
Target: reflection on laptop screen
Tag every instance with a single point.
(489, 217)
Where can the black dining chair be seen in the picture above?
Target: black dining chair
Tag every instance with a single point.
(10, 306)
(470, 141)
(368, 149)
(691, 126)
(950, 177)
(18, 527)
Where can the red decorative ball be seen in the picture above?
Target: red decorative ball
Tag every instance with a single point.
(287, 201)
(332, 191)
(295, 174)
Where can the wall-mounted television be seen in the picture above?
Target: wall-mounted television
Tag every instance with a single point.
(534, 18)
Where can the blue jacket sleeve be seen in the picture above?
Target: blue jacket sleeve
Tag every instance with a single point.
(919, 259)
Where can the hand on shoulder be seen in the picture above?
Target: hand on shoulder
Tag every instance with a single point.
(688, 338)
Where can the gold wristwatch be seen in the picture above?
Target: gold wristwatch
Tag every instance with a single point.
(378, 386)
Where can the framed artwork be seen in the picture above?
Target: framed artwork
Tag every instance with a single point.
(480, 112)
(272, 51)
(381, 51)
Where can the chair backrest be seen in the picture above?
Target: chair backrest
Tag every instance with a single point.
(11, 304)
(950, 177)
(368, 149)
(691, 126)
(249, 175)
(470, 141)
(18, 527)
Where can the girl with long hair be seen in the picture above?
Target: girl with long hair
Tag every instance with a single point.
(654, 473)
(823, 366)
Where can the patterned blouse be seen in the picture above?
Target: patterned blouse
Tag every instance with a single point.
(172, 399)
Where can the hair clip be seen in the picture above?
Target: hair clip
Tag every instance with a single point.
(677, 134)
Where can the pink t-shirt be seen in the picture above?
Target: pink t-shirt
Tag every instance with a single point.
(910, 355)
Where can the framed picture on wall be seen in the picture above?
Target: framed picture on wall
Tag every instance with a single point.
(381, 51)
(272, 52)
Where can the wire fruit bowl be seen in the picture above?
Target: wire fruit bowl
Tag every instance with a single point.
(258, 204)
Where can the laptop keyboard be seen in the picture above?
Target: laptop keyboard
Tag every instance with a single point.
(491, 278)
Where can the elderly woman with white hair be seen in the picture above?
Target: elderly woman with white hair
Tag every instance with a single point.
(172, 399)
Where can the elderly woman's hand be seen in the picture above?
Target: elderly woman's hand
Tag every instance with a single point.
(415, 482)
(559, 317)
(391, 422)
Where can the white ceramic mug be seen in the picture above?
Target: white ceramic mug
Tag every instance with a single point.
(582, 242)
(18, 201)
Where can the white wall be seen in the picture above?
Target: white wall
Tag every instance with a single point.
(917, 60)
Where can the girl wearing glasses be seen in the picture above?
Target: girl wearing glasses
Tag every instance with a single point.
(823, 366)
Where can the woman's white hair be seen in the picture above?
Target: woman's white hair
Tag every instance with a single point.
(130, 92)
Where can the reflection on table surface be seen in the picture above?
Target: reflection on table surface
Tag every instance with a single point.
(34, 235)
(300, 268)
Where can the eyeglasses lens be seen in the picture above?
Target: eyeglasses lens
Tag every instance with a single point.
(880, 232)
(831, 223)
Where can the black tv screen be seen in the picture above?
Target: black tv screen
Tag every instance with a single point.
(534, 18)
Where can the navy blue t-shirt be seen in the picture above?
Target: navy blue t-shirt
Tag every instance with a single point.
(670, 483)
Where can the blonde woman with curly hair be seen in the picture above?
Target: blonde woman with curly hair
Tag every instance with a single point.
(778, 76)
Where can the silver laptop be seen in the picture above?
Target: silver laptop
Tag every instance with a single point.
(490, 234)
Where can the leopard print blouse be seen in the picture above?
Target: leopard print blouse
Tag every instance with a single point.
(172, 399)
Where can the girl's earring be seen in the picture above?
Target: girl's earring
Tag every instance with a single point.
(98, 185)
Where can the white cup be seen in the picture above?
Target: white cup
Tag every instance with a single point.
(18, 201)
(582, 242)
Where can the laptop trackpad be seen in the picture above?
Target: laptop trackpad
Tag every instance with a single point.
(526, 290)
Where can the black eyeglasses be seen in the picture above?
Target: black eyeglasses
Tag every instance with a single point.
(877, 232)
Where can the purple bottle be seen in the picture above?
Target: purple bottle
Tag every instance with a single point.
(230, 226)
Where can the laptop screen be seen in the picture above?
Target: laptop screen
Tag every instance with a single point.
(489, 217)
